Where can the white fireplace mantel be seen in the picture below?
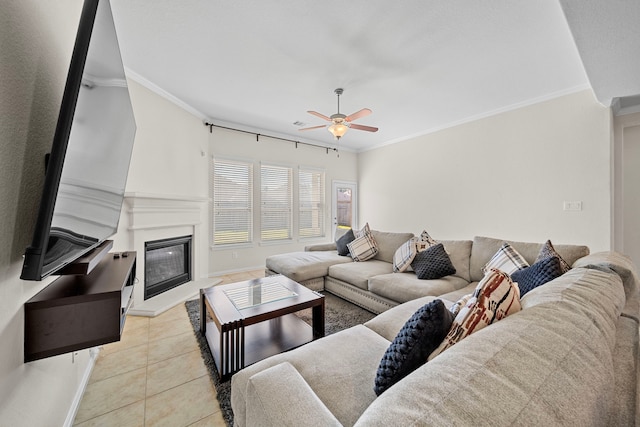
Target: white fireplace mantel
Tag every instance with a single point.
(159, 216)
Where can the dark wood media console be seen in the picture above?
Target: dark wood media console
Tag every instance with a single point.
(80, 311)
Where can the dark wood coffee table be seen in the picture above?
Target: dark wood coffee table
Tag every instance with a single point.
(252, 320)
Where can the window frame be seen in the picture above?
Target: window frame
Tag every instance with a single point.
(249, 164)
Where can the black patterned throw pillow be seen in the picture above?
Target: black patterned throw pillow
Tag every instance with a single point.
(422, 333)
(538, 274)
(433, 263)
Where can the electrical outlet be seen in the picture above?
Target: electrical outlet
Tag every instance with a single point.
(572, 206)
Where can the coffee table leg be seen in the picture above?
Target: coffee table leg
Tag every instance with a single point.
(203, 314)
(317, 313)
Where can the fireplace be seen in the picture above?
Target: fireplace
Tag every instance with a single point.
(167, 264)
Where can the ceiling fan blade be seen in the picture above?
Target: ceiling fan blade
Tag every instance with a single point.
(361, 127)
(362, 113)
(313, 127)
(322, 116)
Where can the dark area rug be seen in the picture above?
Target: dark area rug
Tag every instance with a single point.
(338, 315)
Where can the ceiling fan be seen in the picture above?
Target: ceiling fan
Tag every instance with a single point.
(340, 123)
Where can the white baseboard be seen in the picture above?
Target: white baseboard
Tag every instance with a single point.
(75, 404)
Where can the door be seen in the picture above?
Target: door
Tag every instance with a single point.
(631, 193)
(344, 206)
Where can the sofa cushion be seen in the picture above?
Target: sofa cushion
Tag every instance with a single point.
(343, 242)
(404, 255)
(301, 266)
(358, 273)
(419, 336)
(485, 247)
(547, 251)
(432, 263)
(495, 297)
(388, 243)
(402, 287)
(506, 259)
(538, 274)
(339, 368)
(363, 248)
(456, 295)
(388, 323)
(459, 252)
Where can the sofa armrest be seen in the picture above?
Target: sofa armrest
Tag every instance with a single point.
(279, 396)
(321, 247)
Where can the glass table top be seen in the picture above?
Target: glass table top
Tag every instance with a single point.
(254, 295)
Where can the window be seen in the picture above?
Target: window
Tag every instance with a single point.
(311, 207)
(276, 202)
(232, 209)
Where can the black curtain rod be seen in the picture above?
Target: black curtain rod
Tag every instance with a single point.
(258, 135)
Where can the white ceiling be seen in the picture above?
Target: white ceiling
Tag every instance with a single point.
(420, 65)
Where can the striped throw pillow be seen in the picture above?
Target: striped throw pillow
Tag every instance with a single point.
(506, 259)
(495, 297)
(404, 255)
(363, 248)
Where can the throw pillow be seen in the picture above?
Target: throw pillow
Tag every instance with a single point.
(455, 308)
(343, 241)
(433, 263)
(538, 274)
(495, 297)
(425, 241)
(547, 251)
(506, 259)
(423, 332)
(404, 255)
(363, 248)
(364, 230)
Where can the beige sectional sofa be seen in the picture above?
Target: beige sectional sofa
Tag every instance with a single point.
(569, 357)
(373, 284)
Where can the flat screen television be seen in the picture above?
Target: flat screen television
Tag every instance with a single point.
(87, 168)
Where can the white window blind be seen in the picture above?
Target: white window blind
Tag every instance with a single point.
(311, 207)
(276, 202)
(232, 209)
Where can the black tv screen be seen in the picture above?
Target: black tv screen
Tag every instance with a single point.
(87, 169)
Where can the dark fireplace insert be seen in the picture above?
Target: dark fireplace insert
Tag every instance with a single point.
(167, 264)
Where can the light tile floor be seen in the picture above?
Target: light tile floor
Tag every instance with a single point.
(154, 376)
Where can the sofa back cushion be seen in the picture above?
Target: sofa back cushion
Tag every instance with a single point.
(549, 364)
(459, 251)
(485, 247)
(388, 243)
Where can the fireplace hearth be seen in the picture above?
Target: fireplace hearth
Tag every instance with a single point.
(167, 264)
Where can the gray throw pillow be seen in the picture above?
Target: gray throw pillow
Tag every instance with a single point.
(433, 263)
(343, 241)
(422, 334)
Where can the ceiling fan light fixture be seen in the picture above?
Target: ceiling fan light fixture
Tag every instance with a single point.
(338, 130)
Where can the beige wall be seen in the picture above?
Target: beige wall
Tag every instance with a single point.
(504, 176)
(236, 145)
(36, 47)
(169, 154)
